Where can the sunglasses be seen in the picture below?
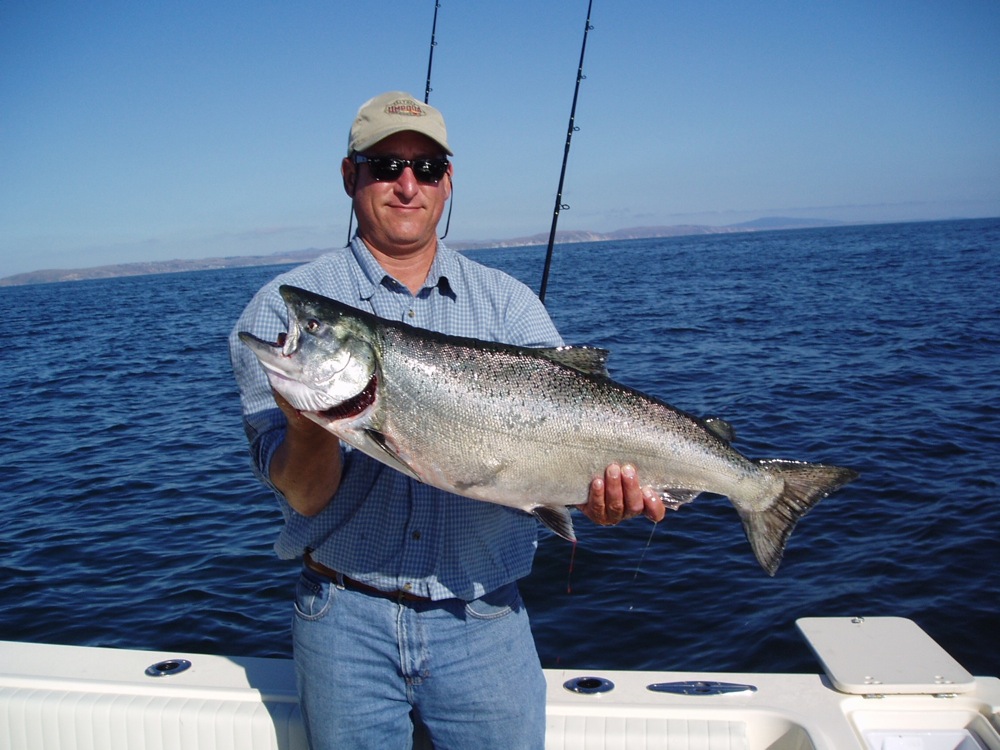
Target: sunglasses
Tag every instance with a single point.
(389, 168)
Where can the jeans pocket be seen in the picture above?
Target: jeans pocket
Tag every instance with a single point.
(496, 604)
(313, 596)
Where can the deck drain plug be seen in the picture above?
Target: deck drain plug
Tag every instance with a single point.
(167, 668)
(589, 685)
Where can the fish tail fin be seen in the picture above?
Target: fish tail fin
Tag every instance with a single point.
(804, 485)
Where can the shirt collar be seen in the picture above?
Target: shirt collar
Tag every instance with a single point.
(445, 266)
(372, 274)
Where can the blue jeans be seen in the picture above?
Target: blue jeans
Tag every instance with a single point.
(370, 670)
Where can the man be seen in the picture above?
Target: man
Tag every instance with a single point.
(407, 609)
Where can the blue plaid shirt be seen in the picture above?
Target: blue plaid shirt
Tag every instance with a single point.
(381, 527)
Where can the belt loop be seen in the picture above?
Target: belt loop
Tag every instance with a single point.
(339, 581)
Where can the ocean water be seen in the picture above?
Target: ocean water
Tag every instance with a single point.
(131, 519)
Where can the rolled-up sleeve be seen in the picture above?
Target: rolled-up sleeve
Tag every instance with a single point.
(263, 421)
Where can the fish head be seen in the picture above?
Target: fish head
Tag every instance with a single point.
(325, 359)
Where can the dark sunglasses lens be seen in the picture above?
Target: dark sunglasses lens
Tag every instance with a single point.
(386, 169)
(430, 170)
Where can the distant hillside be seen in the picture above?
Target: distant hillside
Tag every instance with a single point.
(164, 266)
(301, 256)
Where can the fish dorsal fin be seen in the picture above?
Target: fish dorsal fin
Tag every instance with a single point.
(586, 359)
(557, 518)
(720, 428)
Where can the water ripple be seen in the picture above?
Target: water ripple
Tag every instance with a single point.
(132, 519)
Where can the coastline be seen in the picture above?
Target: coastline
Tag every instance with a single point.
(568, 237)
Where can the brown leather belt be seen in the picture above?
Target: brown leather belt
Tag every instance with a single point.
(340, 579)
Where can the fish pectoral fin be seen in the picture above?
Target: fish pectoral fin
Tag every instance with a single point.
(380, 443)
(673, 498)
(557, 518)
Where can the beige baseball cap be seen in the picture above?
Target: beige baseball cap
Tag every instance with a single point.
(394, 112)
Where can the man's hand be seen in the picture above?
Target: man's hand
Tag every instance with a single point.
(618, 495)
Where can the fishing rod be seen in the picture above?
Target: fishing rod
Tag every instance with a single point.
(562, 175)
(430, 57)
(427, 96)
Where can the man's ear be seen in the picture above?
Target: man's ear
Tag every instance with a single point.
(349, 174)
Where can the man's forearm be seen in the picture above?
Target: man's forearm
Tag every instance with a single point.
(306, 467)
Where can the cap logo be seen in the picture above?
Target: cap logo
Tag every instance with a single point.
(406, 107)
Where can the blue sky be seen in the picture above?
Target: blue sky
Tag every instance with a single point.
(137, 131)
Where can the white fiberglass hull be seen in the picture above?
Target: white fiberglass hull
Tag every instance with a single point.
(66, 697)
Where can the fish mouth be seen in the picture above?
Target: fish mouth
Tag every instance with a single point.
(286, 345)
(289, 342)
(354, 406)
(275, 357)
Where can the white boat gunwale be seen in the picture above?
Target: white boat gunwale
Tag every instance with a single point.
(55, 697)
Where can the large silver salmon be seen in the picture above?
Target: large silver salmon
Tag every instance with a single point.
(526, 428)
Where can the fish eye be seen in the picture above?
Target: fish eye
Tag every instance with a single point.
(312, 325)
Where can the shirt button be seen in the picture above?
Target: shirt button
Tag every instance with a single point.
(411, 313)
(416, 535)
(407, 586)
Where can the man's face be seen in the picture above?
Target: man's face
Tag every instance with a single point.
(400, 216)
